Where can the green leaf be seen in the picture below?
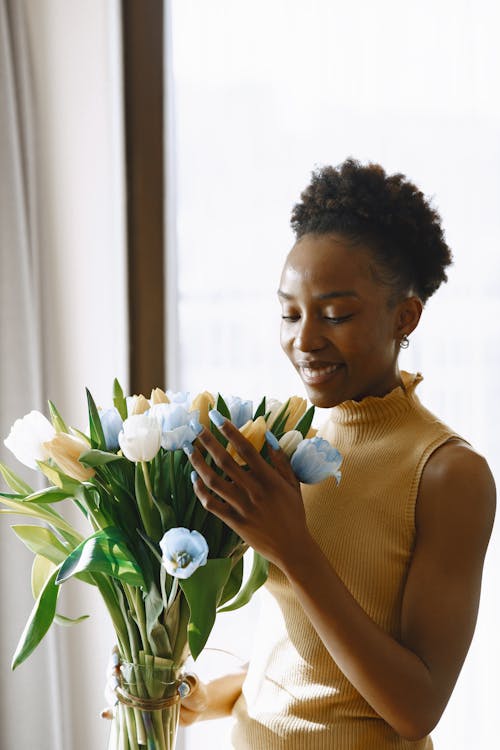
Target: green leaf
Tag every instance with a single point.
(280, 420)
(41, 570)
(22, 508)
(258, 576)
(69, 621)
(304, 424)
(149, 514)
(233, 582)
(97, 438)
(39, 621)
(41, 541)
(49, 495)
(119, 399)
(14, 481)
(203, 591)
(58, 477)
(103, 552)
(99, 458)
(57, 421)
(221, 406)
(261, 409)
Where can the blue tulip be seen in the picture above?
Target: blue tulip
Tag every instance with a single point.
(183, 551)
(241, 411)
(178, 426)
(314, 460)
(182, 398)
(112, 425)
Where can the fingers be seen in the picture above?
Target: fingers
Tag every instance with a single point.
(242, 446)
(188, 717)
(226, 511)
(280, 460)
(194, 704)
(210, 480)
(220, 455)
(197, 699)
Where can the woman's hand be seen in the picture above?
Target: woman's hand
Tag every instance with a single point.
(194, 705)
(262, 503)
(212, 700)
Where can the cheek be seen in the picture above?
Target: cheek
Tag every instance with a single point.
(284, 340)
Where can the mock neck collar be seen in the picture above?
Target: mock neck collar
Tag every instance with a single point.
(377, 408)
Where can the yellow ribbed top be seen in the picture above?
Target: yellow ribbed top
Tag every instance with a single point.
(295, 696)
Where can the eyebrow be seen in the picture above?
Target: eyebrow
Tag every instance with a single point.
(327, 295)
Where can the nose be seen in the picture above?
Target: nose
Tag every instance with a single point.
(308, 336)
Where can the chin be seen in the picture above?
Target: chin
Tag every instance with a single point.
(323, 400)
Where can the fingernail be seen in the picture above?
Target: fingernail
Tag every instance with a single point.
(194, 477)
(184, 689)
(187, 448)
(216, 417)
(271, 439)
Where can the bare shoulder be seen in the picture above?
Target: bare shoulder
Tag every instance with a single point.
(454, 518)
(457, 483)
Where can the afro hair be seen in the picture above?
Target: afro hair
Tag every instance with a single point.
(387, 213)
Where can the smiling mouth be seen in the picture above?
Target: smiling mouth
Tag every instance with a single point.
(315, 374)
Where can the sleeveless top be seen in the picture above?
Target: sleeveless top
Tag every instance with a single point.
(295, 696)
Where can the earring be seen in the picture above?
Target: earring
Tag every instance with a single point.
(405, 342)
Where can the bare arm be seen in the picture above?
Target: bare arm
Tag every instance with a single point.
(212, 700)
(408, 682)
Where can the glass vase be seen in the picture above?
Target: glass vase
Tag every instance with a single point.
(146, 714)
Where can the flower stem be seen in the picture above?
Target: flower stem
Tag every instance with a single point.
(173, 489)
(147, 480)
(145, 499)
(173, 592)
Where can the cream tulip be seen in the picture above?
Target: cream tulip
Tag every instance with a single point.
(65, 450)
(203, 402)
(255, 433)
(158, 397)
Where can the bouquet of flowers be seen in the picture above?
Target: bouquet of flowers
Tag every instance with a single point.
(163, 564)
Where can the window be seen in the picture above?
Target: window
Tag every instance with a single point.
(265, 91)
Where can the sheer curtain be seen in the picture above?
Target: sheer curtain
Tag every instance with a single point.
(21, 387)
(265, 91)
(62, 318)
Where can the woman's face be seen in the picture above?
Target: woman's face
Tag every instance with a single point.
(338, 328)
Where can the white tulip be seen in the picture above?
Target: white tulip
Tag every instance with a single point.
(27, 436)
(273, 406)
(289, 442)
(140, 437)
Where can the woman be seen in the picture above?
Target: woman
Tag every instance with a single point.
(375, 583)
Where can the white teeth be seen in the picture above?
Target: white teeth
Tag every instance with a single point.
(311, 372)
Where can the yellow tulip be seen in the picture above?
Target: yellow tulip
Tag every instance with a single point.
(255, 433)
(65, 450)
(296, 409)
(140, 404)
(204, 402)
(159, 397)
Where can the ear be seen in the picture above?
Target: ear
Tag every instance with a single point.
(408, 314)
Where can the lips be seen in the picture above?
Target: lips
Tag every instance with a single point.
(314, 373)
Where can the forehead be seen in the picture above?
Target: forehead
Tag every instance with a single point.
(325, 264)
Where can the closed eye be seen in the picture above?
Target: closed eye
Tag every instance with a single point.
(337, 320)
